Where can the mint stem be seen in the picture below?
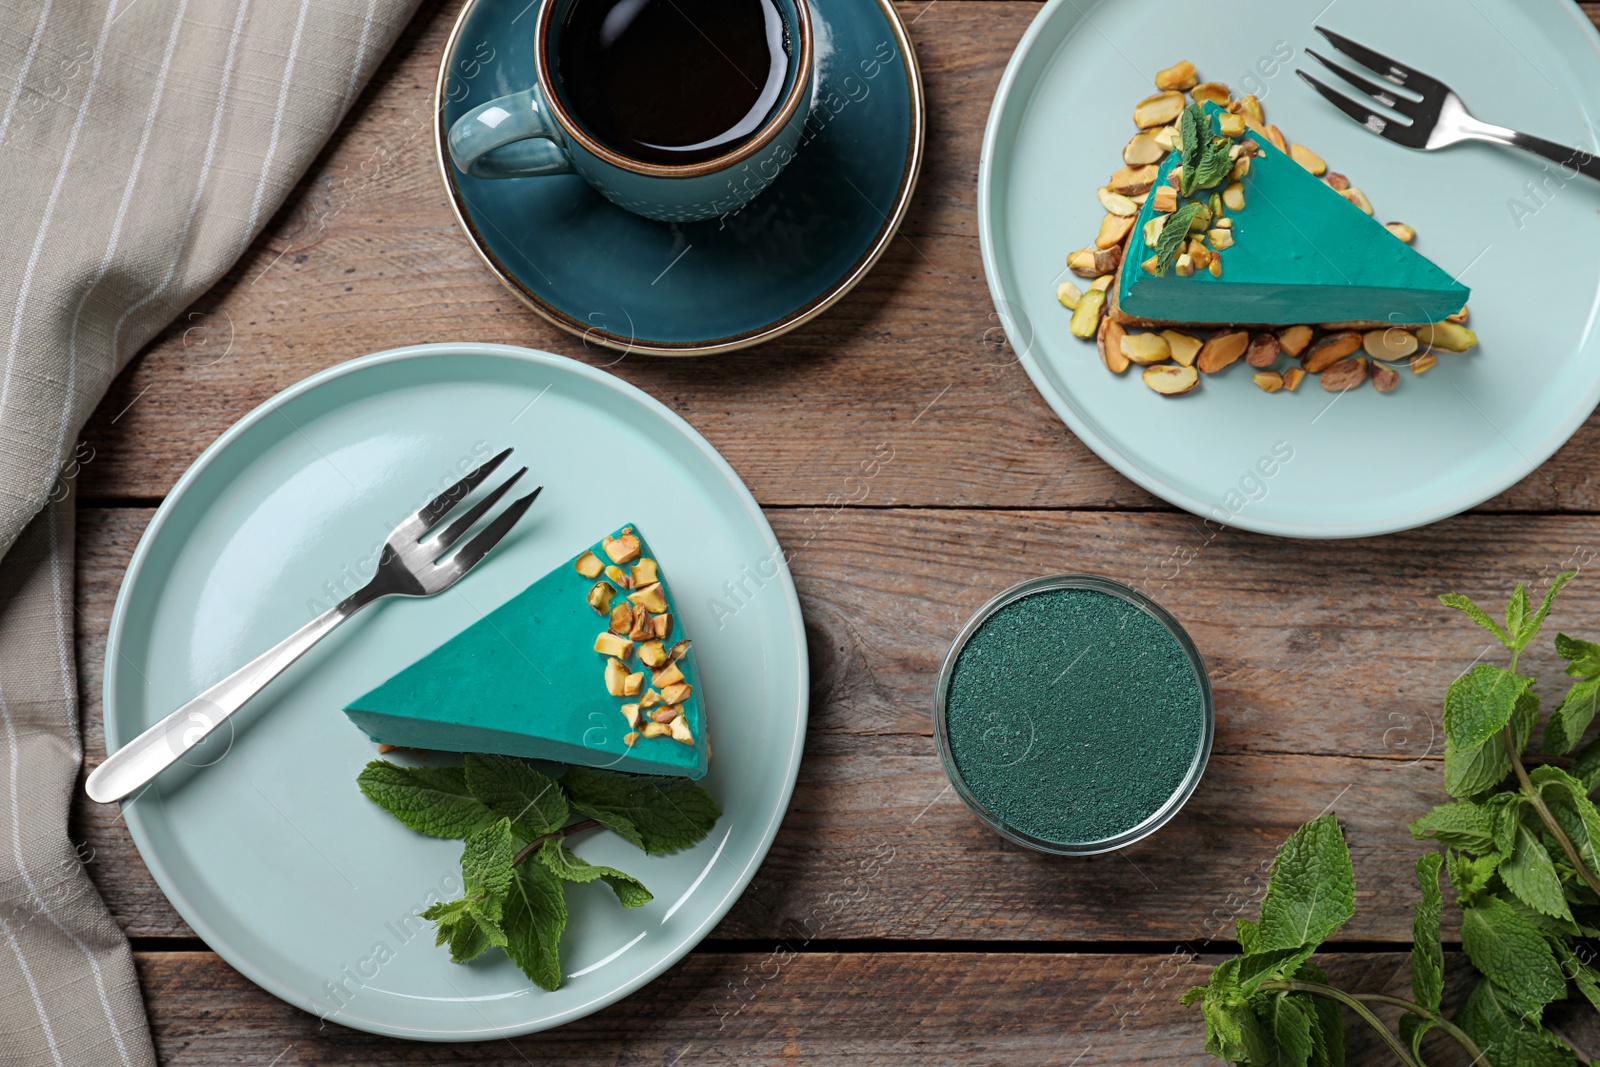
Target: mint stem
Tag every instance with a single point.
(1550, 823)
(1317, 989)
(566, 831)
(1467, 1044)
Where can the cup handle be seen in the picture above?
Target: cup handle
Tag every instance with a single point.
(512, 137)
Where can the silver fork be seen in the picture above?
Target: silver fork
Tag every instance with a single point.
(411, 565)
(1435, 115)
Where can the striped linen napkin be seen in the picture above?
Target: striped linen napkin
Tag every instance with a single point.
(143, 145)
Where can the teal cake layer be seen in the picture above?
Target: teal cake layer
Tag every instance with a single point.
(526, 680)
(1302, 253)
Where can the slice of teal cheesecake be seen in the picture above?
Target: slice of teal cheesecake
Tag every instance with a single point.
(588, 665)
(1300, 253)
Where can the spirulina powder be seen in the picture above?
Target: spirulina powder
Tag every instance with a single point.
(1073, 716)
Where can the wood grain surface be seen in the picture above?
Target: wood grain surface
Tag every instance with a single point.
(779, 1007)
(887, 925)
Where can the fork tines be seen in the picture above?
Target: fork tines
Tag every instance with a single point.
(1417, 113)
(417, 526)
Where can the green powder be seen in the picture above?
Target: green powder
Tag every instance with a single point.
(1073, 716)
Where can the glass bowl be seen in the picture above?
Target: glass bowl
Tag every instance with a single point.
(1138, 600)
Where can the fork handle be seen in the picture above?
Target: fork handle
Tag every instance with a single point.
(1578, 159)
(1573, 161)
(133, 765)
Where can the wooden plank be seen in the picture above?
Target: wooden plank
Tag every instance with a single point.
(1329, 662)
(366, 256)
(782, 1008)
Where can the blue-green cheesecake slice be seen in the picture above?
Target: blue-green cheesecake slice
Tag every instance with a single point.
(588, 665)
(1301, 253)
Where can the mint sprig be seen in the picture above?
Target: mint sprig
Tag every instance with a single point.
(1174, 234)
(515, 862)
(1521, 848)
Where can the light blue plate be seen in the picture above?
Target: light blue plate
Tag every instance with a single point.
(269, 852)
(1310, 464)
(683, 289)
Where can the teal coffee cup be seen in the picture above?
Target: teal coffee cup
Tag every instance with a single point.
(677, 110)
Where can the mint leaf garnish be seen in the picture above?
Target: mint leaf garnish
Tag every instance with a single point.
(1215, 164)
(1567, 800)
(471, 925)
(1194, 132)
(1311, 892)
(1493, 1019)
(561, 862)
(657, 814)
(467, 927)
(1463, 824)
(1479, 703)
(1583, 657)
(431, 800)
(1174, 234)
(1530, 873)
(532, 801)
(1569, 721)
(1544, 606)
(1518, 611)
(1476, 614)
(1513, 954)
(1427, 954)
(515, 863)
(535, 917)
(1291, 1023)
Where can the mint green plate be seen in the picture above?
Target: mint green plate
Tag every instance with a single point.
(263, 843)
(1310, 463)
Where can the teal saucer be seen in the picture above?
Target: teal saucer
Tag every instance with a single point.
(684, 289)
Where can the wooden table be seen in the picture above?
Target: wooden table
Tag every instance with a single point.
(887, 925)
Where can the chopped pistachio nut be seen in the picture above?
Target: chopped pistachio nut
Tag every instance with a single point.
(652, 654)
(600, 597)
(1180, 76)
(620, 576)
(645, 572)
(632, 684)
(1402, 231)
(679, 650)
(656, 729)
(1115, 202)
(1086, 316)
(1069, 295)
(630, 738)
(650, 597)
(588, 565)
(616, 677)
(666, 677)
(621, 619)
(631, 713)
(650, 699)
(661, 625)
(621, 549)
(641, 629)
(1358, 198)
(1103, 283)
(680, 730)
(677, 694)
(610, 644)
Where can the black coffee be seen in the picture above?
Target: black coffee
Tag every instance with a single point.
(672, 81)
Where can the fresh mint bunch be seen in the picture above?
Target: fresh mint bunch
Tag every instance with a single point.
(1521, 850)
(515, 864)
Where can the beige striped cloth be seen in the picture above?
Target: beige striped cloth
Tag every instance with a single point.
(143, 145)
